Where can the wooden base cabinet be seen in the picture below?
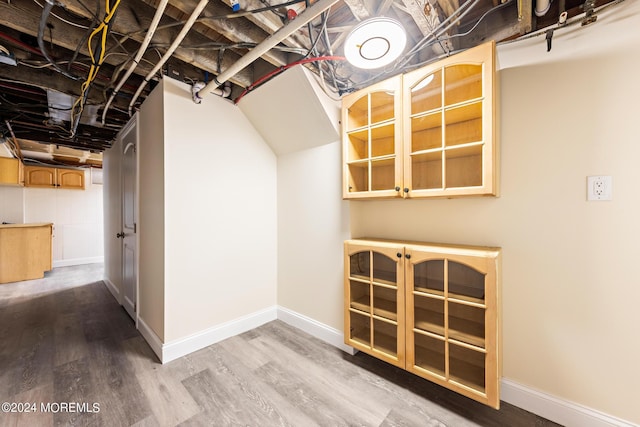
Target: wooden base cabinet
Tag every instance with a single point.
(436, 307)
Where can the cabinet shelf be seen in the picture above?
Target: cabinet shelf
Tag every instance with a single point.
(384, 309)
(459, 298)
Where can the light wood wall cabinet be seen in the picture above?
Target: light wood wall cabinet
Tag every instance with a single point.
(430, 309)
(41, 176)
(428, 133)
(11, 171)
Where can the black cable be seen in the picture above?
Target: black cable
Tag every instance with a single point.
(43, 24)
(94, 22)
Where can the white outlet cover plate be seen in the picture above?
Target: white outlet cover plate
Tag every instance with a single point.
(599, 187)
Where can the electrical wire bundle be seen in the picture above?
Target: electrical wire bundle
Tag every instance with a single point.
(97, 58)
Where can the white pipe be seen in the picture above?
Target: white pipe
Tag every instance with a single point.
(185, 29)
(143, 47)
(291, 27)
(542, 7)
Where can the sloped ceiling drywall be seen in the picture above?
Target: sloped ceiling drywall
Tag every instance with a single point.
(292, 113)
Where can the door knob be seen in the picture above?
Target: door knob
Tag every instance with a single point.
(120, 235)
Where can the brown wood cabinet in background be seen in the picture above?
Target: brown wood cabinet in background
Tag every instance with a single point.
(42, 176)
(11, 171)
(428, 133)
(428, 308)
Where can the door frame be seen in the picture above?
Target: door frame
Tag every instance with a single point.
(133, 123)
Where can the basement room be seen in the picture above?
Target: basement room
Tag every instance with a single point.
(433, 198)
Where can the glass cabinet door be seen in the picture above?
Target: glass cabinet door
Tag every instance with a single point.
(371, 140)
(449, 146)
(451, 322)
(374, 313)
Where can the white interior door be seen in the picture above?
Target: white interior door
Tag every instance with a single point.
(129, 218)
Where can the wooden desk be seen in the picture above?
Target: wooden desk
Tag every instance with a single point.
(25, 251)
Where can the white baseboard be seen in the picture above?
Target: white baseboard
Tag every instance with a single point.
(556, 409)
(152, 339)
(183, 346)
(319, 330)
(113, 289)
(77, 261)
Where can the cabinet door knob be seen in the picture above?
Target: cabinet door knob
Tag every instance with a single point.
(406, 189)
(408, 256)
(399, 255)
(120, 235)
(397, 188)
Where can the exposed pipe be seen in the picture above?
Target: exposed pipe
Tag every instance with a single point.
(43, 23)
(542, 7)
(143, 47)
(169, 52)
(285, 31)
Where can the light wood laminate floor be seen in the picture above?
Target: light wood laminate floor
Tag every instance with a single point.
(64, 339)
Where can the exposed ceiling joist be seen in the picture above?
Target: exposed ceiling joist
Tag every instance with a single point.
(214, 44)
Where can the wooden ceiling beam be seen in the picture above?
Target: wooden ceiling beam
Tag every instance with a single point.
(270, 22)
(358, 9)
(417, 13)
(135, 15)
(236, 30)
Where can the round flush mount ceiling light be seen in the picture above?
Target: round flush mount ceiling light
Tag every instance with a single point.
(375, 43)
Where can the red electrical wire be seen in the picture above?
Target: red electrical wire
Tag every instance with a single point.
(20, 44)
(285, 67)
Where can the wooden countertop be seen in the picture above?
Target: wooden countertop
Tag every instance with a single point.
(33, 224)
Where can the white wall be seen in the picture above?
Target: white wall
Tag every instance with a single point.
(220, 214)
(76, 216)
(112, 212)
(570, 283)
(11, 204)
(151, 213)
(313, 222)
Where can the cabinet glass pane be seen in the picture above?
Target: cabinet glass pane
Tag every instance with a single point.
(466, 324)
(426, 94)
(385, 337)
(462, 82)
(426, 170)
(382, 141)
(358, 177)
(384, 269)
(463, 124)
(429, 314)
(465, 282)
(383, 174)
(464, 167)
(428, 276)
(358, 145)
(467, 367)
(358, 113)
(359, 265)
(360, 328)
(385, 302)
(382, 104)
(429, 354)
(426, 132)
(360, 299)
